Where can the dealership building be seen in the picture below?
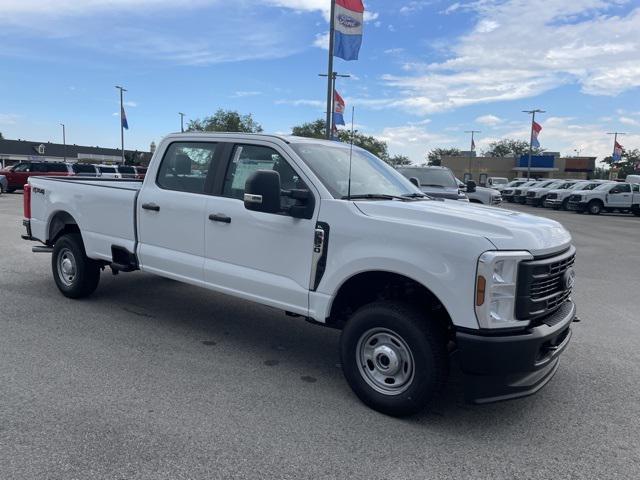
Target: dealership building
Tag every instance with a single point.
(16, 151)
(548, 165)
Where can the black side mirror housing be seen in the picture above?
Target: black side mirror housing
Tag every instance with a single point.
(262, 192)
(415, 181)
(471, 186)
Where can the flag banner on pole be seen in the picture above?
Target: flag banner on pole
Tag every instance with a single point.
(473, 145)
(125, 124)
(338, 109)
(617, 152)
(348, 21)
(535, 131)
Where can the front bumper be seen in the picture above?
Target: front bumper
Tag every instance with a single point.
(577, 206)
(519, 199)
(513, 365)
(552, 203)
(535, 201)
(27, 225)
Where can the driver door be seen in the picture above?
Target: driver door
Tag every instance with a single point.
(620, 196)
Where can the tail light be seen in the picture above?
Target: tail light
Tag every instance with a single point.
(26, 201)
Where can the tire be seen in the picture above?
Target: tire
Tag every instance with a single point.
(595, 207)
(565, 204)
(10, 189)
(75, 274)
(403, 337)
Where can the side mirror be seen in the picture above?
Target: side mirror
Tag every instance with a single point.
(415, 181)
(471, 186)
(262, 192)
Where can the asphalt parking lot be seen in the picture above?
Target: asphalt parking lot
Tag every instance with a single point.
(152, 379)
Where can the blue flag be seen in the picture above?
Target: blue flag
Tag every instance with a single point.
(348, 22)
(125, 124)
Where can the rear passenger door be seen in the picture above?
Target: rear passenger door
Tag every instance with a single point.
(171, 211)
(619, 196)
(264, 257)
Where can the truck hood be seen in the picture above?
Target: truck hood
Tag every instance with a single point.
(505, 229)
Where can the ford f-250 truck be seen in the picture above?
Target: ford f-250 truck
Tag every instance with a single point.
(608, 197)
(335, 235)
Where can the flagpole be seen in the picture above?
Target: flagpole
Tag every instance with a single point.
(533, 120)
(472, 132)
(330, 77)
(121, 120)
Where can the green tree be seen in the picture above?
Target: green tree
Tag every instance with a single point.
(434, 157)
(316, 129)
(509, 147)
(629, 163)
(398, 161)
(225, 121)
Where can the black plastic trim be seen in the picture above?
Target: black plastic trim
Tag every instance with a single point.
(322, 263)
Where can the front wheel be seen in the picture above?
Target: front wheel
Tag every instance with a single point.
(393, 357)
(75, 274)
(595, 207)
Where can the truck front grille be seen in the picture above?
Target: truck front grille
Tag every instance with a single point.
(531, 194)
(575, 198)
(544, 284)
(552, 196)
(517, 192)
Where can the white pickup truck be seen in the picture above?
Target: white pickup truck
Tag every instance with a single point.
(334, 235)
(607, 197)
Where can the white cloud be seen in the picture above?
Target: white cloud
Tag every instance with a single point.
(520, 49)
(302, 103)
(8, 118)
(322, 41)
(246, 93)
(629, 121)
(412, 140)
(489, 120)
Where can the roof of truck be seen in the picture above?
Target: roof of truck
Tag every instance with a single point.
(266, 136)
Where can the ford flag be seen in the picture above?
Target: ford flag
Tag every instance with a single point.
(338, 109)
(535, 131)
(125, 124)
(617, 152)
(348, 21)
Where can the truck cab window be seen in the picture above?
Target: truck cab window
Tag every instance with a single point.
(250, 158)
(185, 166)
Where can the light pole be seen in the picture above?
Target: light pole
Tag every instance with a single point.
(64, 142)
(334, 75)
(533, 120)
(473, 147)
(577, 150)
(122, 90)
(181, 121)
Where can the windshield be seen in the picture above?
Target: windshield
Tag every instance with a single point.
(552, 185)
(604, 186)
(578, 186)
(515, 183)
(369, 174)
(499, 181)
(431, 177)
(565, 186)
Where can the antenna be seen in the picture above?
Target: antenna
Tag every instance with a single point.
(353, 113)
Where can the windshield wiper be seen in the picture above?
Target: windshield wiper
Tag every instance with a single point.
(375, 196)
(416, 195)
(431, 185)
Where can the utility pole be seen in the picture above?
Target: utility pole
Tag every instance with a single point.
(334, 75)
(533, 120)
(330, 79)
(473, 147)
(64, 142)
(181, 121)
(122, 90)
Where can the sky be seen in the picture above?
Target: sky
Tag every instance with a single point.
(428, 71)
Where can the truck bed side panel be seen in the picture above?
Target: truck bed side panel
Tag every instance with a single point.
(104, 211)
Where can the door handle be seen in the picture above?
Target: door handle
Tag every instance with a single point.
(220, 217)
(151, 206)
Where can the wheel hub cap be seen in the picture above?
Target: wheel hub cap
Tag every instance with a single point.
(66, 267)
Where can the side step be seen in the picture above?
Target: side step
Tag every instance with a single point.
(42, 249)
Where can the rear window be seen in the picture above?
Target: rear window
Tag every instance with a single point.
(83, 168)
(126, 169)
(107, 169)
(56, 167)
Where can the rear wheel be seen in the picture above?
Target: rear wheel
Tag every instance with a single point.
(75, 274)
(394, 358)
(595, 207)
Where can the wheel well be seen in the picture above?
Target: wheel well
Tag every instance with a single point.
(61, 224)
(596, 200)
(368, 287)
(474, 201)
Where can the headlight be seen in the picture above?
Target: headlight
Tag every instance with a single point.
(496, 289)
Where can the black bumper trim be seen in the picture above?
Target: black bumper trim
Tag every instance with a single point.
(505, 367)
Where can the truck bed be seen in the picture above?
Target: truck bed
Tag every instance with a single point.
(104, 210)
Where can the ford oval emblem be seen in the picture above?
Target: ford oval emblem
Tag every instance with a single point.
(348, 21)
(569, 279)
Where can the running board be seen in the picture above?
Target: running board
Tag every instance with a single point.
(41, 249)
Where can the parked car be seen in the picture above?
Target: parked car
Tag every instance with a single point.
(538, 194)
(4, 184)
(140, 172)
(520, 193)
(508, 189)
(559, 198)
(18, 174)
(127, 171)
(85, 169)
(436, 182)
(610, 196)
(340, 238)
(108, 171)
(483, 195)
(497, 183)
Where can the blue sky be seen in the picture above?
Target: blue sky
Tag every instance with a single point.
(428, 71)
